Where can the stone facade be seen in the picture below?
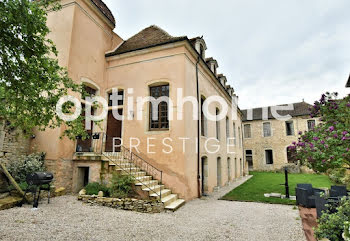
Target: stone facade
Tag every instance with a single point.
(277, 142)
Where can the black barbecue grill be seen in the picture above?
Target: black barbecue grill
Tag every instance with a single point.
(37, 182)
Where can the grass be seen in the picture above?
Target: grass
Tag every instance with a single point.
(269, 182)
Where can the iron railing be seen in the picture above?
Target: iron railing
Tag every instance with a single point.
(127, 161)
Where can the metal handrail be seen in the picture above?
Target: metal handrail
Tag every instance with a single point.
(139, 162)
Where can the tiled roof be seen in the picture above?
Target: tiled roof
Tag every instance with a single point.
(300, 109)
(104, 10)
(148, 37)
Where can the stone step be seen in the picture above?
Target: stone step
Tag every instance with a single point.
(130, 169)
(146, 184)
(143, 178)
(175, 205)
(135, 174)
(169, 199)
(164, 192)
(153, 189)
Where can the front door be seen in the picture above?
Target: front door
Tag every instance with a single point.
(114, 130)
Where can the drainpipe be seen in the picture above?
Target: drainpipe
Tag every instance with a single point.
(198, 131)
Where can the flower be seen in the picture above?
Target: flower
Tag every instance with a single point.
(331, 128)
(300, 133)
(316, 138)
(344, 133)
(323, 142)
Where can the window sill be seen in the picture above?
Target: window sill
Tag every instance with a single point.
(154, 132)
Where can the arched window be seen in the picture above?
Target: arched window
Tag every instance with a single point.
(218, 171)
(217, 124)
(203, 119)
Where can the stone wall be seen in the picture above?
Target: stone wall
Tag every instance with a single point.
(143, 206)
(62, 171)
(12, 143)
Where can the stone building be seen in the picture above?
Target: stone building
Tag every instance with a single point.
(151, 63)
(266, 138)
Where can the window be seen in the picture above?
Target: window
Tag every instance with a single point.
(89, 92)
(203, 120)
(214, 69)
(234, 134)
(269, 157)
(311, 124)
(247, 131)
(249, 157)
(289, 128)
(162, 123)
(239, 137)
(120, 102)
(229, 168)
(217, 124)
(291, 155)
(267, 129)
(227, 128)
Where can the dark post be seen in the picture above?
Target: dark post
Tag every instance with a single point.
(286, 182)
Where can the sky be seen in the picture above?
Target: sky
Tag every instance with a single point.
(272, 52)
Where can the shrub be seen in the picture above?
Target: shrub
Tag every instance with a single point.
(20, 168)
(121, 185)
(94, 187)
(337, 175)
(331, 226)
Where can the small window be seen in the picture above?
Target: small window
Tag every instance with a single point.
(217, 124)
(214, 69)
(289, 128)
(234, 134)
(227, 128)
(247, 131)
(162, 123)
(120, 102)
(267, 129)
(269, 157)
(311, 124)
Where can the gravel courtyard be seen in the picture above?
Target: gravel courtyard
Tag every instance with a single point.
(202, 219)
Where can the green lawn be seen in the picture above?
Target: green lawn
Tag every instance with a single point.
(268, 182)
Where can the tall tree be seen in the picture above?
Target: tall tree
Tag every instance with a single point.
(31, 80)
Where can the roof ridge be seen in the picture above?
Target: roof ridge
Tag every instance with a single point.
(277, 105)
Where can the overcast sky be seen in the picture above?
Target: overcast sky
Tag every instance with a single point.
(272, 52)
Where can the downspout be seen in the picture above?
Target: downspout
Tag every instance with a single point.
(198, 131)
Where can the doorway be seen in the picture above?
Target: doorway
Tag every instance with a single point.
(114, 130)
(83, 177)
(204, 175)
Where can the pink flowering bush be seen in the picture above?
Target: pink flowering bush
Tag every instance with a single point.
(326, 146)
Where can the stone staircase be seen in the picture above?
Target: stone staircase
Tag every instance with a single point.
(144, 180)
